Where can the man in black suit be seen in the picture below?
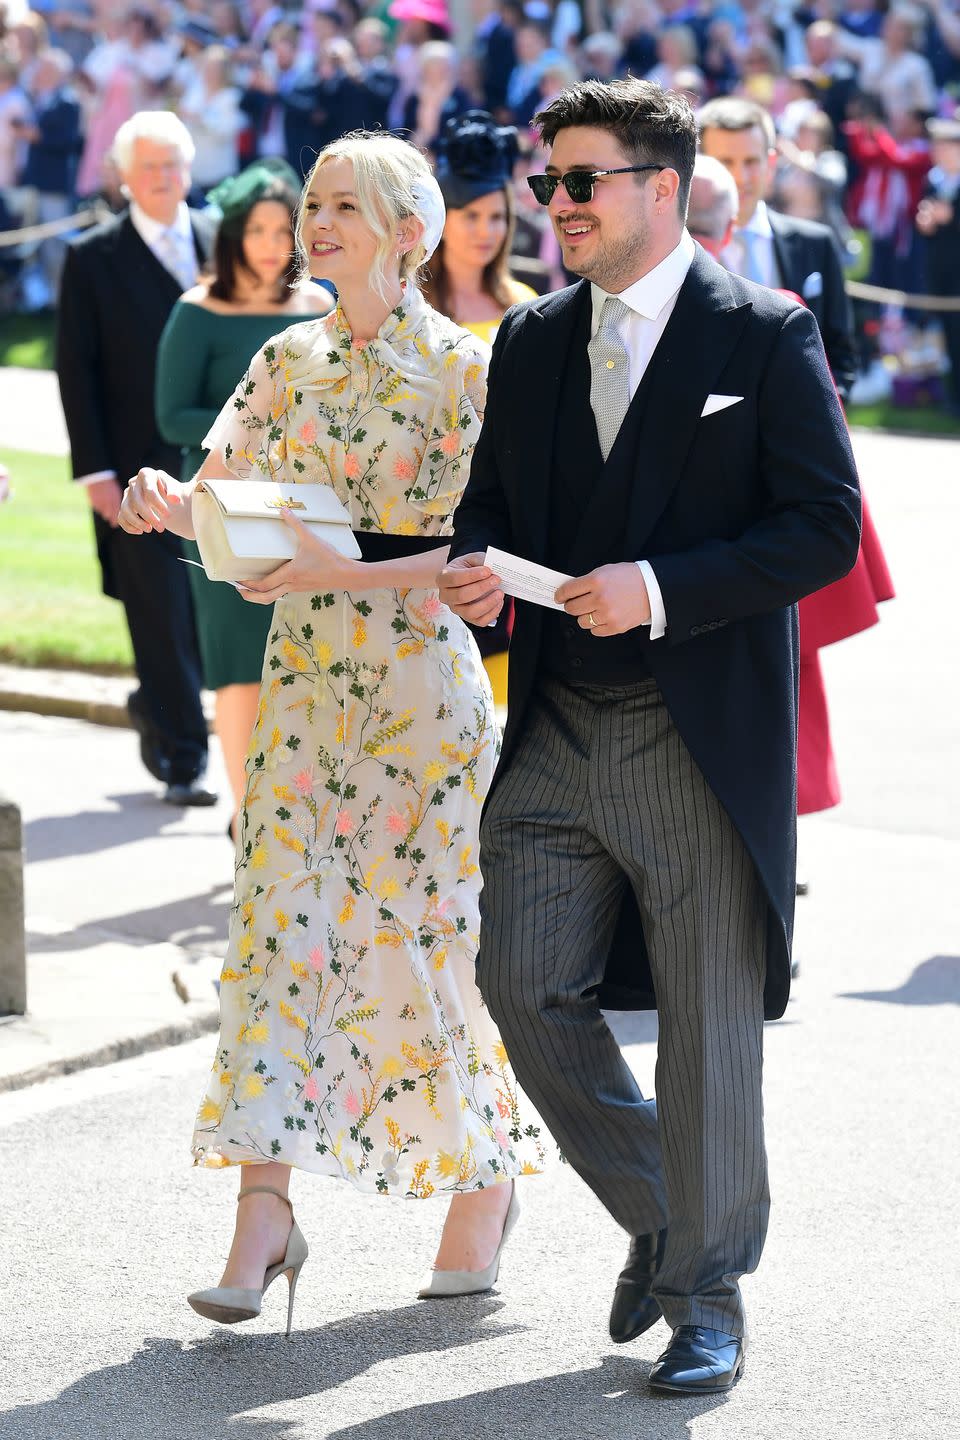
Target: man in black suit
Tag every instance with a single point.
(774, 249)
(668, 435)
(120, 282)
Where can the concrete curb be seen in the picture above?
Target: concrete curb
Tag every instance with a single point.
(125, 1048)
(73, 695)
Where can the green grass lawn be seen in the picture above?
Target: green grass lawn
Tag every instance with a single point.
(923, 420)
(52, 611)
(27, 340)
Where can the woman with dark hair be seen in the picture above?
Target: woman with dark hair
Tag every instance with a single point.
(251, 292)
(470, 278)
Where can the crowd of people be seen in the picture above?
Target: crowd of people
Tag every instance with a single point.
(863, 96)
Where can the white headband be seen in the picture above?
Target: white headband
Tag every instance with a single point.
(431, 210)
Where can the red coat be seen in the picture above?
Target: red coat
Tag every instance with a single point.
(842, 609)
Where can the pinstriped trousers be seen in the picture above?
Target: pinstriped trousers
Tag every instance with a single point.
(602, 793)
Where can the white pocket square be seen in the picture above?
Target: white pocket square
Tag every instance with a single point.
(813, 285)
(719, 402)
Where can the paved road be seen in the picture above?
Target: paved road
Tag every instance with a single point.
(854, 1310)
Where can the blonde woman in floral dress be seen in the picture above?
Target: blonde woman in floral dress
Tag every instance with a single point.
(353, 1039)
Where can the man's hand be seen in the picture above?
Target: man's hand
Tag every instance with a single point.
(148, 500)
(608, 601)
(932, 214)
(105, 497)
(471, 590)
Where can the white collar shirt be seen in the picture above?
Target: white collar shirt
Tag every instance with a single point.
(751, 252)
(650, 301)
(153, 234)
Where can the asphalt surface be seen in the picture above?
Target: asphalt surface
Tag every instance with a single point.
(854, 1310)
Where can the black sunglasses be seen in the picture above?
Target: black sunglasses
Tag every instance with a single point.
(578, 183)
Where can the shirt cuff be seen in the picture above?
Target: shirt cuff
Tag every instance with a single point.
(95, 477)
(658, 616)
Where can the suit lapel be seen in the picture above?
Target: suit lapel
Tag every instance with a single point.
(152, 289)
(787, 245)
(204, 233)
(550, 330)
(700, 335)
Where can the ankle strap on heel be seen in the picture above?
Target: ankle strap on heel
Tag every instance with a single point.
(265, 1190)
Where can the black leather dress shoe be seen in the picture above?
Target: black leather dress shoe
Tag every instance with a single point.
(698, 1362)
(154, 761)
(189, 792)
(634, 1308)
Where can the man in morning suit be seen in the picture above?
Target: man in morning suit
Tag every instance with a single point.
(120, 282)
(669, 435)
(774, 249)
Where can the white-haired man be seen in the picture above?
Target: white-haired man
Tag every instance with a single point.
(120, 282)
(714, 203)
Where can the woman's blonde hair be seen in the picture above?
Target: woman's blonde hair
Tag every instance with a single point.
(385, 172)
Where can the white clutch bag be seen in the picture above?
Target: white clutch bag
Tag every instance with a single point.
(240, 532)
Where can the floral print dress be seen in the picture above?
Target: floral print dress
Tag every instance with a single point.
(353, 1039)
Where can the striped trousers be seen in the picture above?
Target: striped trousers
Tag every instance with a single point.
(602, 793)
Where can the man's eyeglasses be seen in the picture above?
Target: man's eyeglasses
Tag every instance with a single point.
(578, 183)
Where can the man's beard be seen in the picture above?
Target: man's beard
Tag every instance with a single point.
(615, 261)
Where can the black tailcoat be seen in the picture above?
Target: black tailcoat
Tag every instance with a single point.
(115, 298)
(808, 258)
(740, 512)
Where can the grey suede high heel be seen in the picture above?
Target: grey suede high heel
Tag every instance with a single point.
(443, 1284)
(229, 1304)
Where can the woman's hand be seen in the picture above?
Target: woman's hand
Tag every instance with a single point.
(148, 501)
(315, 567)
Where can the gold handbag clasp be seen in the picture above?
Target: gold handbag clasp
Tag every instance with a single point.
(281, 504)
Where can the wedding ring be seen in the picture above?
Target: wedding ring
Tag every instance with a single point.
(590, 620)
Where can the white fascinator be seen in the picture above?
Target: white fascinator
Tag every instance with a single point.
(431, 210)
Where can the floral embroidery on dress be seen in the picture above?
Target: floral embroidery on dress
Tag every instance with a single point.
(353, 1038)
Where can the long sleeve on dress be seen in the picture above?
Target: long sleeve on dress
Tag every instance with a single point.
(183, 358)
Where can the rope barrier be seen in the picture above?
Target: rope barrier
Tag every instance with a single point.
(92, 215)
(880, 296)
(856, 289)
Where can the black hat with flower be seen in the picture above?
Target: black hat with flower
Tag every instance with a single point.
(475, 156)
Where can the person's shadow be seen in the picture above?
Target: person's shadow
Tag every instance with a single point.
(202, 1391)
(609, 1401)
(205, 1390)
(934, 982)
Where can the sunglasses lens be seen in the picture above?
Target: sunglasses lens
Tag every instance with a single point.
(579, 187)
(543, 187)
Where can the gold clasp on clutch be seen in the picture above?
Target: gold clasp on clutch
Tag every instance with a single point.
(290, 504)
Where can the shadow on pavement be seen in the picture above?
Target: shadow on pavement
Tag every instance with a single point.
(934, 982)
(204, 1391)
(138, 816)
(605, 1402)
(633, 1027)
(195, 921)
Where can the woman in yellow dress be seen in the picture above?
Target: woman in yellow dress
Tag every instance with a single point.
(470, 276)
(353, 1040)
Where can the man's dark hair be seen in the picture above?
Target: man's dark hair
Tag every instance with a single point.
(648, 123)
(729, 112)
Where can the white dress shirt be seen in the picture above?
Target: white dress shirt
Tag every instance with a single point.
(750, 253)
(651, 301)
(151, 232)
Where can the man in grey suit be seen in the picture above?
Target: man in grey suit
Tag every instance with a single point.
(668, 435)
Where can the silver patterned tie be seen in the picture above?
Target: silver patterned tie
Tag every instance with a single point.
(609, 374)
(173, 254)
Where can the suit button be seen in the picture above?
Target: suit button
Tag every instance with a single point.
(576, 662)
(694, 629)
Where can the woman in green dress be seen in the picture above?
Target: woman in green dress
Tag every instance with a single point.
(251, 293)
